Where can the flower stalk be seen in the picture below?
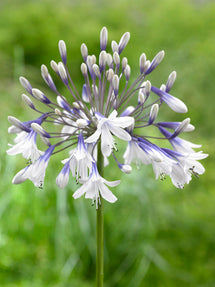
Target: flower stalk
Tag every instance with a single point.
(100, 229)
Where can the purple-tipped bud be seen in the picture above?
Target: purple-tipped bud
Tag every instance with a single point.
(181, 128)
(62, 73)
(141, 98)
(28, 101)
(142, 63)
(47, 78)
(38, 129)
(124, 41)
(115, 83)
(110, 60)
(147, 64)
(124, 63)
(62, 50)
(125, 168)
(170, 81)
(155, 62)
(26, 85)
(40, 96)
(148, 88)
(17, 123)
(103, 38)
(96, 71)
(153, 113)
(116, 59)
(85, 95)
(102, 60)
(127, 111)
(127, 72)
(84, 51)
(63, 103)
(163, 88)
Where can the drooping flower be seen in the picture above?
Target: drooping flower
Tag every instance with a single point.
(109, 108)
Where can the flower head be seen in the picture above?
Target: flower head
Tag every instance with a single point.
(110, 108)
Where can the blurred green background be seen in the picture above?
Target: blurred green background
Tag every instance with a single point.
(155, 234)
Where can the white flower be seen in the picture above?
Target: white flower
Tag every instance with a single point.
(36, 171)
(134, 153)
(96, 186)
(26, 145)
(80, 162)
(106, 126)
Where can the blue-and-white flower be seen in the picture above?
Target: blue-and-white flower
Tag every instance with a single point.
(109, 108)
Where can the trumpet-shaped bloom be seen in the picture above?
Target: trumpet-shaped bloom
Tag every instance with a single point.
(96, 186)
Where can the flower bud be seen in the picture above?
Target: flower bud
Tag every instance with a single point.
(155, 62)
(40, 96)
(26, 85)
(142, 62)
(109, 60)
(63, 73)
(170, 81)
(124, 62)
(116, 59)
(62, 50)
(114, 46)
(38, 129)
(109, 74)
(115, 83)
(148, 88)
(28, 101)
(84, 51)
(123, 41)
(84, 69)
(153, 113)
(102, 60)
(96, 71)
(127, 72)
(125, 168)
(54, 66)
(103, 38)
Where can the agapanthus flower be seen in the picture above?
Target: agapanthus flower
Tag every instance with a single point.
(110, 108)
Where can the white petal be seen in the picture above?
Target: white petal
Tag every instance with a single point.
(113, 115)
(94, 137)
(111, 183)
(123, 122)
(106, 193)
(107, 141)
(120, 133)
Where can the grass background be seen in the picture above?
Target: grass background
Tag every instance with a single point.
(156, 235)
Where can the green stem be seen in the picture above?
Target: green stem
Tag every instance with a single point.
(99, 228)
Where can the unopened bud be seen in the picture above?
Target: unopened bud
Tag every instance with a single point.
(123, 41)
(96, 71)
(40, 96)
(28, 101)
(62, 73)
(170, 81)
(114, 46)
(124, 62)
(148, 88)
(125, 168)
(84, 69)
(84, 51)
(17, 123)
(109, 74)
(38, 129)
(54, 66)
(141, 98)
(155, 62)
(181, 128)
(116, 59)
(62, 50)
(26, 85)
(163, 88)
(127, 72)
(142, 62)
(102, 60)
(44, 71)
(153, 113)
(110, 60)
(147, 64)
(58, 112)
(103, 38)
(115, 83)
